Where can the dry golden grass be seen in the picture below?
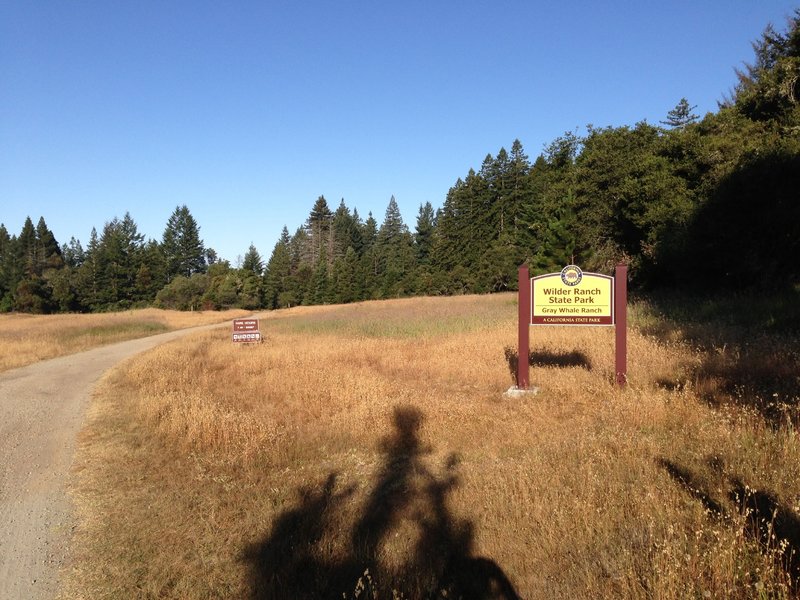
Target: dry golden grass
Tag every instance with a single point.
(26, 339)
(375, 437)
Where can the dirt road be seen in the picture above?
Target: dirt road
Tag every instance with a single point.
(42, 407)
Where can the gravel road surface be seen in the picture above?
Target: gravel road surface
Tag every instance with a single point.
(42, 407)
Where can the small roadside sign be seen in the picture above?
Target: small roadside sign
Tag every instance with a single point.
(251, 336)
(246, 330)
(245, 324)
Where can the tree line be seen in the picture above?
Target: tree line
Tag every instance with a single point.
(708, 202)
(711, 203)
(117, 270)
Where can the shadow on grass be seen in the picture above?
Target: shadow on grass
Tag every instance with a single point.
(298, 559)
(749, 347)
(688, 482)
(547, 359)
(767, 521)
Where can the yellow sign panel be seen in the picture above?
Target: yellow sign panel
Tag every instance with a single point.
(572, 297)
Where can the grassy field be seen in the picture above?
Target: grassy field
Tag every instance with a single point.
(368, 451)
(26, 339)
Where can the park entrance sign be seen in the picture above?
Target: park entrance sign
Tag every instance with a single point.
(572, 297)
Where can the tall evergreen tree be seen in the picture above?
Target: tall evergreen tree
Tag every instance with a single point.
(369, 268)
(26, 248)
(346, 231)
(119, 255)
(423, 236)
(369, 232)
(48, 252)
(181, 244)
(8, 262)
(319, 292)
(88, 275)
(680, 116)
(73, 253)
(318, 228)
(277, 275)
(546, 235)
(152, 272)
(38, 255)
(252, 262)
(394, 246)
(344, 280)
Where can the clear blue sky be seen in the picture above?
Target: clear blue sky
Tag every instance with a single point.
(248, 111)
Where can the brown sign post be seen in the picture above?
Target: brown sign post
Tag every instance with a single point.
(621, 325)
(572, 297)
(246, 330)
(523, 337)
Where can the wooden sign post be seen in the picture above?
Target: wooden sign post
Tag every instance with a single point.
(621, 324)
(524, 345)
(572, 297)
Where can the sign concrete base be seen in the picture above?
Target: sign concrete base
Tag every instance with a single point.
(515, 392)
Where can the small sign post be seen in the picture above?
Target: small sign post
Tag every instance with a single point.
(246, 331)
(523, 363)
(621, 326)
(573, 297)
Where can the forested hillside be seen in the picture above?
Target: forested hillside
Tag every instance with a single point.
(711, 202)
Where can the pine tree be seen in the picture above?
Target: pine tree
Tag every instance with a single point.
(26, 248)
(73, 253)
(211, 257)
(251, 295)
(680, 116)
(181, 244)
(369, 263)
(517, 194)
(423, 236)
(278, 273)
(545, 237)
(252, 262)
(152, 273)
(395, 252)
(88, 275)
(346, 232)
(48, 252)
(369, 232)
(345, 272)
(318, 228)
(38, 256)
(468, 224)
(319, 291)
(446, 241)
(118, 258)
(8, 261)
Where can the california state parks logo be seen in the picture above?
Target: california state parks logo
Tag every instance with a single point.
(571, 275)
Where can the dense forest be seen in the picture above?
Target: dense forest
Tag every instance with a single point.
(705, 203)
